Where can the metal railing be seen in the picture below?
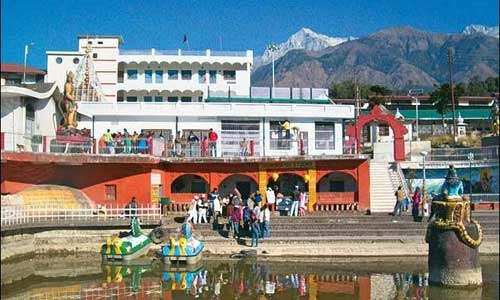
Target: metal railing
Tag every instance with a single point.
(402, 178)
(478, 198)
(42, 214)
(180, 52)
(462, 154)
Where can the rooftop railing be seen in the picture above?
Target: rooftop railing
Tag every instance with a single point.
(181, 52)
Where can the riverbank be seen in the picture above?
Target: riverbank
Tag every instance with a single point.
(89, 241)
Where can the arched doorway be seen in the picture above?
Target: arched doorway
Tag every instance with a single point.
(189, 183)
(245, 184)
(381, 115)
(337, 188)
(337, 182)
(286, 183)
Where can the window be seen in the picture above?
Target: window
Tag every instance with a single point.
(234, 131)
(173, 99)
(383, 130)
(94, 55)
(148, 99)
(202, 76)
(110, 192)
(186, 99)
(148, 76)
(89, 42)
(120, 76)
(186, 74)
(159, 76)
(131, 99)
(119, 98)
(277, 137)
(200, 98)
(30, 120)
(158, 99)
(99, 42)
(229, 75)
(59, 60)
(173, 74)
(213, 76)
(337, 186)
(76, 60)
(325, 135)
(131, 74)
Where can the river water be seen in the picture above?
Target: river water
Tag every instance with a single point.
(84, 277)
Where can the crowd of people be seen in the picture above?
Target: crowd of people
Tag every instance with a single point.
(243, 216)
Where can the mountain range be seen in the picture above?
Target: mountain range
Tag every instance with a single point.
(399, 58)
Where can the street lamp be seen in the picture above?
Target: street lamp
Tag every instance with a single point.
(273, 48)
(413, 93)
(25, 59)
(424, 189)
(471, 158)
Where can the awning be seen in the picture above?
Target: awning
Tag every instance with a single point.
(428, 114)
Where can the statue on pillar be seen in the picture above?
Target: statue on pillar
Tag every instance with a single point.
(453, 237)
(495, 118)
(70, 105)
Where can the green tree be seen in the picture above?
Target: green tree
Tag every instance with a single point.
(441, 98)
(377, 96)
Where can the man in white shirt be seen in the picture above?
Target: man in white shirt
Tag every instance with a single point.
(270, 198)
(265, 220)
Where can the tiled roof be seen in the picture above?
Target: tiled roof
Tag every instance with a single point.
(16, 68)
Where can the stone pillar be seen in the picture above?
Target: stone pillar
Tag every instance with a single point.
(263, 184)
(312, 189)
(454, 241)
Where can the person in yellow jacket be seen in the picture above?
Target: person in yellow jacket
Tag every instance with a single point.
(286, 126)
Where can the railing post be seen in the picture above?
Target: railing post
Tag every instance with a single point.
(150, 145)
(252, 147)
(94, 146)
(44, 144)
(2, 140)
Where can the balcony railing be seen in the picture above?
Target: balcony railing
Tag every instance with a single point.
(233, 147)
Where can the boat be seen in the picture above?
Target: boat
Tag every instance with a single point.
(184, 249)
(129, 246)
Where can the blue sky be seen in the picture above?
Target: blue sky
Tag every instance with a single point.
(54, 25)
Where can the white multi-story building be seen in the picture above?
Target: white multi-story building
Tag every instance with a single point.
(167, 91)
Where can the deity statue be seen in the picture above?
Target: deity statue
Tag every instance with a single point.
(452, 188)
(495, 118)
(70, 102)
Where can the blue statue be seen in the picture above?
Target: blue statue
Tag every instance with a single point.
(452, 188)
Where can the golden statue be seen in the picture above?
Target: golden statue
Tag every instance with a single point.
(70, 102)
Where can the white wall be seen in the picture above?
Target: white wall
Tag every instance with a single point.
(45, 117)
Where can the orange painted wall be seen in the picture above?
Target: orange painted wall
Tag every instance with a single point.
(134, 179)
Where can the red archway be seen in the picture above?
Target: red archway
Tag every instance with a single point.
(381, 114)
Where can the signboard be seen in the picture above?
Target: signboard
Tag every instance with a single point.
(287, 165)
(155, 178)
(155, 193)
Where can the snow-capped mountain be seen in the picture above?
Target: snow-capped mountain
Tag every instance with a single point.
(474, 28)
(305, 39)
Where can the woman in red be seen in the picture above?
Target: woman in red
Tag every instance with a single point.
(415, 210)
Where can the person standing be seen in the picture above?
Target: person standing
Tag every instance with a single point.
(211, 198)
(415, 209)
(135, 137)
(255, 229)
(177, 144)
(295, 201)
(236, 218)
(212, 142)
(399, 199)
(202, 209)
(204, 146)
(258, 198)
(266, 219)
(302, 204)
(192, 212)
(192, 140)
(270, 198)
(243, 147)
(128, 141)
(133, 207)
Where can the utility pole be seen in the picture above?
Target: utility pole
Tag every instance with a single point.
(450, 73)
(356, 115)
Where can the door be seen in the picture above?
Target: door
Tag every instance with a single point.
(244, 188)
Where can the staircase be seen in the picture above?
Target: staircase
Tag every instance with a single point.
(384, 180)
